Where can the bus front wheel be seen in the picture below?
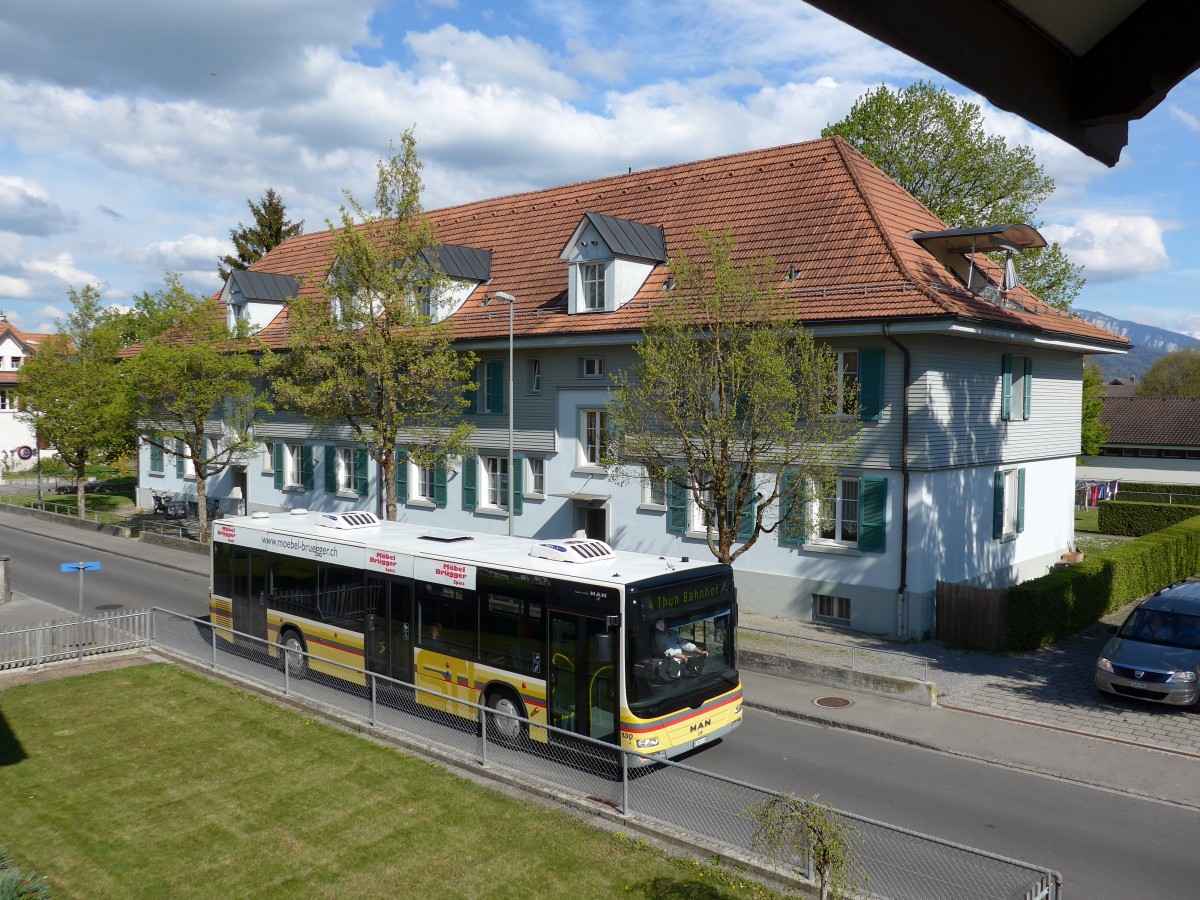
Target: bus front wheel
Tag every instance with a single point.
(507, 727)
(291, 647)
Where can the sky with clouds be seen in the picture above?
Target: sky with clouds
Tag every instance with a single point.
(133, 133)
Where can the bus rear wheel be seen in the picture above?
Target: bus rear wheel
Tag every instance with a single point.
(504, 727)
(291, 649)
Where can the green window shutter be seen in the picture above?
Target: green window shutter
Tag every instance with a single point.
(1006, 387)
(361, 468)
(470, 470)
(676, 508)
(277, 450)
(872, 525)
(791, 533)
(1020, 500)
(998, 506)
(518, 485)
(306, 467)
(439, 484)
(870, 384)
(472, 396)
(331, 468)
(401, 475)
(156, 458)
(1028, 388)
(180, 467)
(495, 396)
(746, 515)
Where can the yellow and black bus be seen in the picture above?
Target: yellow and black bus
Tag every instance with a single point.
(562, 632)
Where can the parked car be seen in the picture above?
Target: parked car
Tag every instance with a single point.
(1155, 654)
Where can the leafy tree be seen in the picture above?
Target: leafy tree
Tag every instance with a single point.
(731, 402)
(193, 371)
(935, 147)
(71, 390)
(270, 229)
(807, 836)
(1172, 375)
(364, 352)
(1093, 432)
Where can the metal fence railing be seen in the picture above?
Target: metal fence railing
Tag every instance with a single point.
(1189, 499)
(36, 645)
(665, 796)
(859, 657)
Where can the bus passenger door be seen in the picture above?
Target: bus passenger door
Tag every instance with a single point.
(583, 680)
(250, 593)
(387, 642)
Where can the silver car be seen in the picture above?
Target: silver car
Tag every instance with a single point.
(1155, 655)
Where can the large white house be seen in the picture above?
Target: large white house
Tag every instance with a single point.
(18, 443)
(970, 387)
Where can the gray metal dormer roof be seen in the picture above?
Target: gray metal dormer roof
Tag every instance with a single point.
(456, 261)
(624, 237)
(263, 286)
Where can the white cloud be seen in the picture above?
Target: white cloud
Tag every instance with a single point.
(26, 208)
(1113, 246)
(1182, 115)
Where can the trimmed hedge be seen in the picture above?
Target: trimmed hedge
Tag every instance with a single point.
(1046, 609)
(1150, 487)
(1134, 518)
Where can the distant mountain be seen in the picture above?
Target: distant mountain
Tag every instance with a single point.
(1149, 344)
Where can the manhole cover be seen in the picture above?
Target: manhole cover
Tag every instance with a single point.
(833, 702)
(107, 607)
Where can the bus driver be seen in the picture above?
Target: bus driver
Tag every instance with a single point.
(669, 643)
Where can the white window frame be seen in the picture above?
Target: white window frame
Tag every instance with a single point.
(654, 493)
(592, 293)
(535, 376)
(591, 367)
(593, 426)
(346, 469)
(535, 476)
(837, 518)
(420, 483)
(1016, 400)
(1011, 502)
(268, 458)
(8, 400)
(293, 466)
(494, 482)
(15, 362)
(699, 523)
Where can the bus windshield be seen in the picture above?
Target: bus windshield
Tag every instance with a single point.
(680, 640)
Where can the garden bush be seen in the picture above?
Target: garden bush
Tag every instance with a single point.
(1046, 609)
(1136, 518)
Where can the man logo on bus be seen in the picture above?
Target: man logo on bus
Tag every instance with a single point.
(700, 726)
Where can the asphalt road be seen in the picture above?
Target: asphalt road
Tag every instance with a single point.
(1106, 844)
(121, 583)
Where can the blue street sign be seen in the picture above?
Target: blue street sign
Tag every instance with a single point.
(79, 567)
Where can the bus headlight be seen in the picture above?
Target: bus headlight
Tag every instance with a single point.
(647, 743)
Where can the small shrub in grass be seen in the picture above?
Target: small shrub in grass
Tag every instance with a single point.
(799, 834)
(18, 885)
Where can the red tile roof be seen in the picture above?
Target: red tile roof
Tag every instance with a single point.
(819, 207)
(1152, 421)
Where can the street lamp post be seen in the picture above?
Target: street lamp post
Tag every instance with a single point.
(510, 300)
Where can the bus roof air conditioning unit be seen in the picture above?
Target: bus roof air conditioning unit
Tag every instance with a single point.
(574, 550)
(349, 520)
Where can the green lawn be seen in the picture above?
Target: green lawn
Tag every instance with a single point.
(151, 781)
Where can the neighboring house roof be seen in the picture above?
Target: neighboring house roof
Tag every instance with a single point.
(29, 343)
(263, 285)
(1121, 387)
(1152, 421)
(820, 209)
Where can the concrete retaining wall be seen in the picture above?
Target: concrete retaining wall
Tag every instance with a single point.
(42, 515)
(922, 693)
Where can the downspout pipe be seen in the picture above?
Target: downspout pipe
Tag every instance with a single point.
(901, 624)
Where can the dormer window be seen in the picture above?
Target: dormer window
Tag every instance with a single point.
(593, 286)
(610, 259)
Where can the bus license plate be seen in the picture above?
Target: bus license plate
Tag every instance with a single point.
(698, 741)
